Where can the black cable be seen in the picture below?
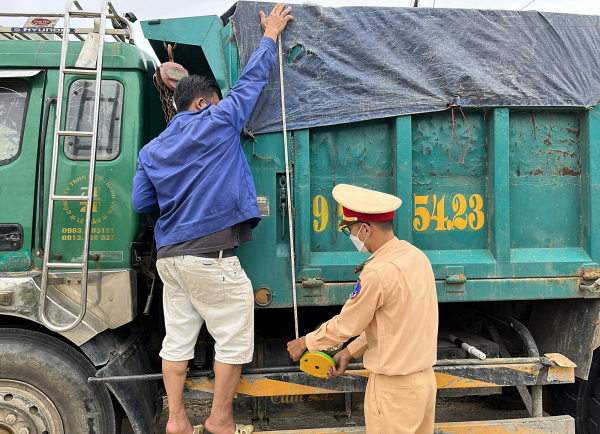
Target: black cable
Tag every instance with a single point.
(42, 158)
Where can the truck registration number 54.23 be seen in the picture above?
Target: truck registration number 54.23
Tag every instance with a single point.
(427, 211)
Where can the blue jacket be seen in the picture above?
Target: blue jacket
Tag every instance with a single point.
(196, 172)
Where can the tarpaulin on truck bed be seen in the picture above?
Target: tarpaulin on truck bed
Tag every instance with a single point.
(357, 63)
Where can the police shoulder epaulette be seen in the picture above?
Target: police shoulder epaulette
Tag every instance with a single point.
(359, 268)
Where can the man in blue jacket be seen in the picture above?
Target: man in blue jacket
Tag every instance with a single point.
(196, 174)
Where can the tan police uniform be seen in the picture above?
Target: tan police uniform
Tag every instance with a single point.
(394, 310)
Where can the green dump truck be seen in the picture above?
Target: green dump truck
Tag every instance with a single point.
(484, 123)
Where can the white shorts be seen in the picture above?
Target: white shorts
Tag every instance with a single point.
(198, 290)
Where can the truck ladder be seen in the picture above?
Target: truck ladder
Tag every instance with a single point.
(122, 30)
(58, 133)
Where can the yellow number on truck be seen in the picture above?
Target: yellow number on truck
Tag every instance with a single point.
(423, 215)
(321, 213)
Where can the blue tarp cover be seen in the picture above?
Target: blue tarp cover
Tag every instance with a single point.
(356, 63)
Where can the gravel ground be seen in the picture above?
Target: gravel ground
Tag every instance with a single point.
(447, 410)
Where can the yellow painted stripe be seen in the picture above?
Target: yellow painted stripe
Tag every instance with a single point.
(263, 387)
(446, 381)
(523, 368)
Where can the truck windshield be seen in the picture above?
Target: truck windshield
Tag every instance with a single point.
(13, 98)
(80, 114)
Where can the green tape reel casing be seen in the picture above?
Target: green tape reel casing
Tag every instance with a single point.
(316, 364)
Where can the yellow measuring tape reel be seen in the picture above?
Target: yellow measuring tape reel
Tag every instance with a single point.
(316, 364)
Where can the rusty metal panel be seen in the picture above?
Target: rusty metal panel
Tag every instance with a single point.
(545, 179)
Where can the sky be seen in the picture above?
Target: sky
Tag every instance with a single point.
(150, 9)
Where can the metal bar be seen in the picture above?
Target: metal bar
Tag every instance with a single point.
(348, 402)
(80, 71)
(352, 366)
(64, 265)
(130, 34)
(75, 30)
(78, 14)
(93, 151)
(525, 396)
(536, 398)
(69, 198)
(496, 361)
(528, 340)
(206, 373)
(75, 133)
(90, 14)
(113, 11)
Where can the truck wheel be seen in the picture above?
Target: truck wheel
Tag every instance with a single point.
(581, 400)
(44, 388)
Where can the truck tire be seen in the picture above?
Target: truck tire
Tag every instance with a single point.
(44, 388)
(581, 400)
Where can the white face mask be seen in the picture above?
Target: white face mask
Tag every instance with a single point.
(360, 245)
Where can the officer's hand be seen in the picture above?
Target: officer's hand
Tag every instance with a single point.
(296, 348)
(341, 363)
(274, 24)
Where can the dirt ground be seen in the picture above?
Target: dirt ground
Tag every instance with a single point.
(447, 410)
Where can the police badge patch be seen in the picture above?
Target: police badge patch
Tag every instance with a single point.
(356, 291)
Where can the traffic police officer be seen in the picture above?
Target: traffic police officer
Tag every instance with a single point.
(393, 311)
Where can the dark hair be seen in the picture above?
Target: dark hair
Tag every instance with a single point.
(385, 226)
(192, 87)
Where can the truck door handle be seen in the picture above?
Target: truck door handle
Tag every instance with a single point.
(14, 237)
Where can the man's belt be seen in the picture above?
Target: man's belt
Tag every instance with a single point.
(227, 253)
